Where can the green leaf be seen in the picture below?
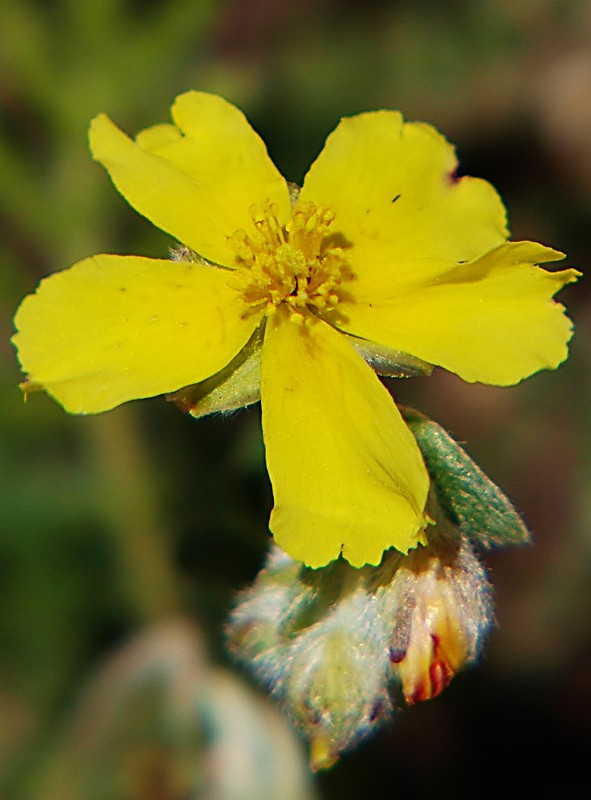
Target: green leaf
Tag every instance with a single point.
(470, 499)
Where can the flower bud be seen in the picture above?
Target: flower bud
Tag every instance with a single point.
(332, 644)
(314, 639)
(444, 610)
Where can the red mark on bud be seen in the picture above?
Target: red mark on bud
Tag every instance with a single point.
(396, 654)
(429, 671)
(441, 674)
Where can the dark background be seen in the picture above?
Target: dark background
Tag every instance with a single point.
(144, 523)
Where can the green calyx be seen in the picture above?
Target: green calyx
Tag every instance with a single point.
(230, 389)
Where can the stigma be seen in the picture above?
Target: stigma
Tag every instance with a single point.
(299, 266)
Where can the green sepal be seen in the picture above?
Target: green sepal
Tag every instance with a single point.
(235, 386)
(471, 500)
(389, 362)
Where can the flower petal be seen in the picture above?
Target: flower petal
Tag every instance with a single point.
(116, 328)
(492, 320)
(347, 474)
(393, 189)
(197, 181)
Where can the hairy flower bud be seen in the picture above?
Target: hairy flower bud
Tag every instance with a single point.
(333, 644)
(444, 609)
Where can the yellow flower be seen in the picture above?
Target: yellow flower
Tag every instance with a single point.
(384, 254)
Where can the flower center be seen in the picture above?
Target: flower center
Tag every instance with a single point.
(297, 266)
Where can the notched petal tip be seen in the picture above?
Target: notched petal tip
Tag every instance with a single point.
(566, 276)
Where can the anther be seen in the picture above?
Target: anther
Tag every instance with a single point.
(287, 265)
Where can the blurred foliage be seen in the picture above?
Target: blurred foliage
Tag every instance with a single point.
(113, 524)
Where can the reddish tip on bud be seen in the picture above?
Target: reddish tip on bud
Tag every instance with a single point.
(446, 606)
(429, 666)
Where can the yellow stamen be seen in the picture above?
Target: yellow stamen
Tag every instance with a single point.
(291, 265)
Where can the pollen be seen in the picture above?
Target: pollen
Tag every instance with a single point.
(298, 266)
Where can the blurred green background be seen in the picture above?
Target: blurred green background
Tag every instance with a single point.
(124, 538)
